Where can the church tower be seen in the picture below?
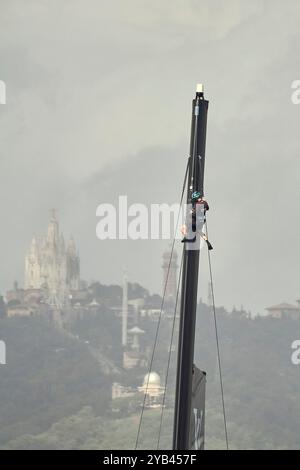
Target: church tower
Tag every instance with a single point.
(33, 267)
(50, 266)
(53, 263)
(53, 231)
(171, 266)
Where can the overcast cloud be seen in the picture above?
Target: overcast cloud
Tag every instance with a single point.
(98, 104)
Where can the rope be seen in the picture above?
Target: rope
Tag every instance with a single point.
(169, 356)
(160, 313)
(218, 345)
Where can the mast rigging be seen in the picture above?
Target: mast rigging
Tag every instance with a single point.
(187, 374)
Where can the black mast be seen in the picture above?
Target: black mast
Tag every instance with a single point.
(189, 287)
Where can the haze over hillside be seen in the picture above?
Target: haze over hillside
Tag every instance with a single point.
(55, 394)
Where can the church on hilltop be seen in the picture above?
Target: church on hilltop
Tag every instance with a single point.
(52, 274)
(52, 265)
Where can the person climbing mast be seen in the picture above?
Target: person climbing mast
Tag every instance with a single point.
(197, 218)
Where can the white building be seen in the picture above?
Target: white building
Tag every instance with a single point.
(153, 389)
(285, 310)
(52, 266)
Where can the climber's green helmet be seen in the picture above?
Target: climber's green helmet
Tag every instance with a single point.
(195, 196)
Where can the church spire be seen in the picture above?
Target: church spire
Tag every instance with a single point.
(71, 247)
(53, 229)
(33, 247)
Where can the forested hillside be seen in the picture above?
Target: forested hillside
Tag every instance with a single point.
(54, 393)
(48, 375)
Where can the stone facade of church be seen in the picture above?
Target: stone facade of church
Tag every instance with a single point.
(52, 265)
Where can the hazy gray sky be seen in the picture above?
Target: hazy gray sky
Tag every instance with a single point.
(98, 104)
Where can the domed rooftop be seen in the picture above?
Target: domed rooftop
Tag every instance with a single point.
(154, 379)
(136, 330)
